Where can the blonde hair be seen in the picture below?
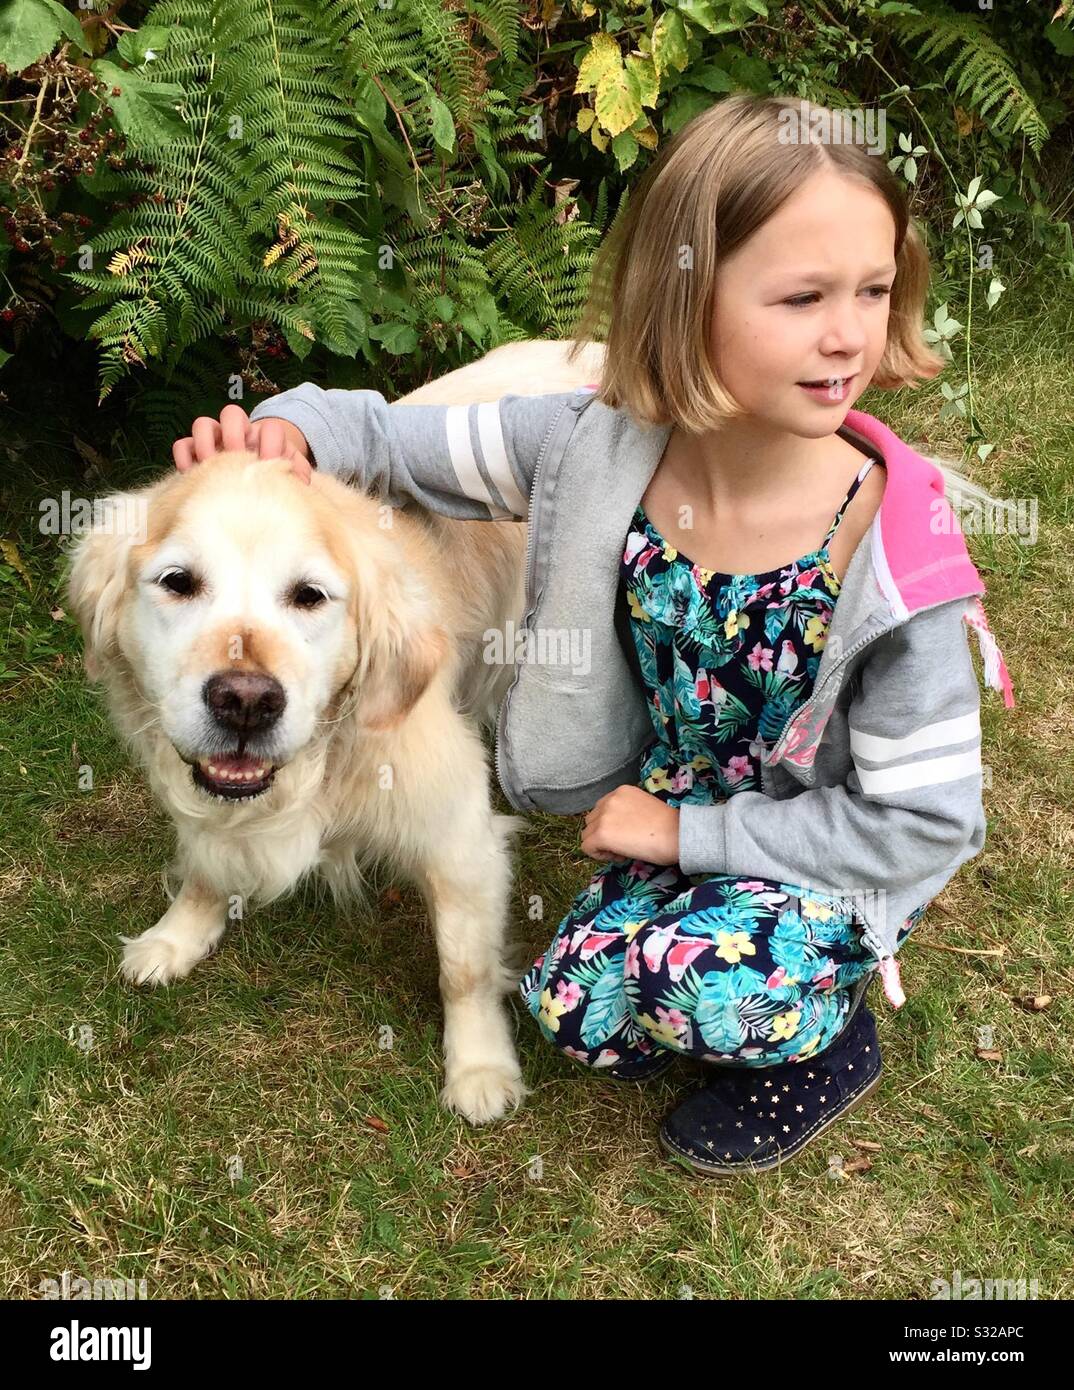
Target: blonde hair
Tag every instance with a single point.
(709, 189)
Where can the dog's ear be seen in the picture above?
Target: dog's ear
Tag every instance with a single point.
(98, 574)
(400, 645)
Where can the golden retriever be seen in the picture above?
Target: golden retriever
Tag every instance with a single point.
(284, 734)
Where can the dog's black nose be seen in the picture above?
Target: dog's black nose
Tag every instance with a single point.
(245, 702)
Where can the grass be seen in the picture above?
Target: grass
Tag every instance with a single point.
(246, 1134)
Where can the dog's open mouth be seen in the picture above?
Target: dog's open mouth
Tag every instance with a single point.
(234, 775)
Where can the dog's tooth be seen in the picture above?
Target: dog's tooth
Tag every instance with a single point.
(212, 769)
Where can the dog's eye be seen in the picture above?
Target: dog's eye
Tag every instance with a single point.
(308, 596)
(177, 581)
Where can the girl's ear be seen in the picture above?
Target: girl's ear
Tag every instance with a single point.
(97, 580)
(400, 645)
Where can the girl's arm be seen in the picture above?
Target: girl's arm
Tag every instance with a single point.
(469, 461)
(911, 806)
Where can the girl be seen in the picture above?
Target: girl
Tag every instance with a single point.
(779, 758)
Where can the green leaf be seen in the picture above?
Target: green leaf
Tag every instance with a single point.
(670, 42)
(685, 104)
(1061, 38)
(355, 330)
(443, 125)
(5, 356)
(712, 78)
(625, 148)
(397, 338)
(136, 43)
(646, 76)
(145, 110)
(754, 74)
(369, 102)
(601, 58)
(618, 102)
(703, 14)
(31, 28)
(473, 328)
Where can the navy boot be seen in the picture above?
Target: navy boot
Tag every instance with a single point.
(753, 1118)
(655, 1064)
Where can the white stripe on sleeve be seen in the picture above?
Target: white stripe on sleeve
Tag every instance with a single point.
(927, 773)
(471, 483)
(946, 731)
(490, 433)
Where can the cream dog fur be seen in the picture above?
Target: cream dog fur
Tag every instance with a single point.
(343, 659)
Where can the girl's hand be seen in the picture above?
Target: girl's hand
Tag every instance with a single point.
(268, 438)
(629, 823)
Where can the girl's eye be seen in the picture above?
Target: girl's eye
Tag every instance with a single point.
(308, 596)
(178, 581)
(800, 300)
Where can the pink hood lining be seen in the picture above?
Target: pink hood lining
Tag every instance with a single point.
(924, 550)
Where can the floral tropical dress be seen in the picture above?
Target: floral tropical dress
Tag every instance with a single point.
(748, 972)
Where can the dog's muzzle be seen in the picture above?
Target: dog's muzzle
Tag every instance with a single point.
(246, 705)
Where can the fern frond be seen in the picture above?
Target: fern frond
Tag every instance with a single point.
(500, 20)
(242, 210)
(540, 266)
(980, 71)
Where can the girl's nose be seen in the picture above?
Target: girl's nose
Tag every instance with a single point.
(845, 330)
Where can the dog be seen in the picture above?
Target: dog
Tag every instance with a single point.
(286, 733)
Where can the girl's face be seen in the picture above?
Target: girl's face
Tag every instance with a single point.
(805, 299)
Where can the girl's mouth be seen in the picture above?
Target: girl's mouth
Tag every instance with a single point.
(831, 389)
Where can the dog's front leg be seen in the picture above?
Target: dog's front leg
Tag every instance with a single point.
(468, 904)
(187, 932)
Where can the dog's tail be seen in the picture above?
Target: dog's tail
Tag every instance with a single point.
(351, 882)
(510, 825)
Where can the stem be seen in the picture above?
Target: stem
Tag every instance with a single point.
(30, 132)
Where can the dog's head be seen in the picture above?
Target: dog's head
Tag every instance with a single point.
(250, 611)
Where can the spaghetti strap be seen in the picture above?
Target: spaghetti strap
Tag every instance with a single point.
(862, 472)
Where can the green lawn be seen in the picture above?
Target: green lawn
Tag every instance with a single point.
(118, 1159)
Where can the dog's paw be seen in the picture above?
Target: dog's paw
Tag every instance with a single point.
(157, 959)
(481, 1094)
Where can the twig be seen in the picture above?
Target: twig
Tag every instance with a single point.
(961, 950)
(29, 134)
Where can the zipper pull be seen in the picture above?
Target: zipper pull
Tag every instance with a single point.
(889, 974)
(889, 971)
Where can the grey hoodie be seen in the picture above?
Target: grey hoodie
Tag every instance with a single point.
(871, 791)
